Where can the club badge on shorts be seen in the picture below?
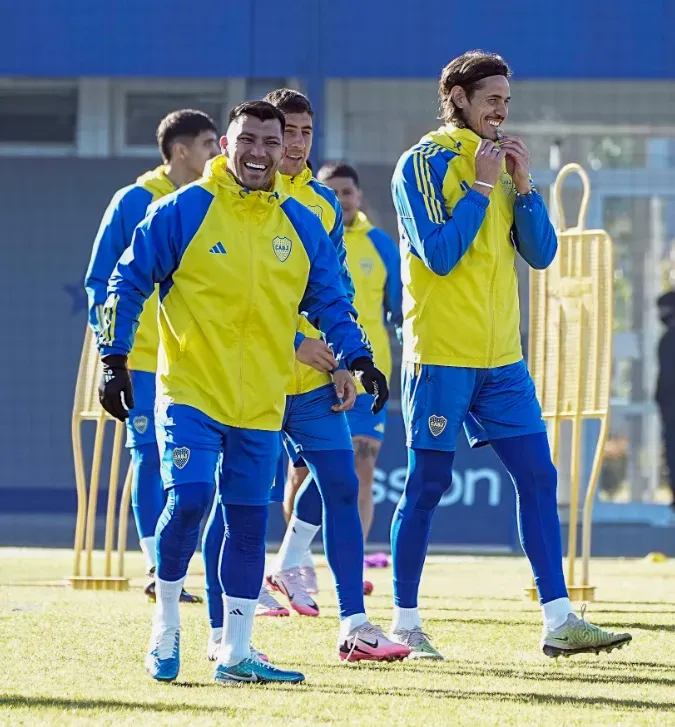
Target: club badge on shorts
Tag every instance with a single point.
(180, 456)
(140, 424)
(437, 424)
(282, 248)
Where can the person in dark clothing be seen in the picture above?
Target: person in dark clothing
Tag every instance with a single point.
(665, 389)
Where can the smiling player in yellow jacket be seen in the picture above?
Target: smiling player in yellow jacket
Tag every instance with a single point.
(315, 429)
(236, 260)
(466, 207)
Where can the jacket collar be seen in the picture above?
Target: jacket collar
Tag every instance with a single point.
(458, 140)
(292, 184)
(361, 224)
(157, 182)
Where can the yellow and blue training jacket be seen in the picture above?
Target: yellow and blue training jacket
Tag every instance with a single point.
(321, 200)
(458, 247)
(126, 209)
(234, 267)
(375, 265)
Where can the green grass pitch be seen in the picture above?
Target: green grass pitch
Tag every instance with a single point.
(76, 658)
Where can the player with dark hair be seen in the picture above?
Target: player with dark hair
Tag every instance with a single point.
(235, 259)
(376, 271)
(315, 428)
(466, 206)
(187, 139)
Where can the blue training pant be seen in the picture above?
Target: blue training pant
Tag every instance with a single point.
(528, 462)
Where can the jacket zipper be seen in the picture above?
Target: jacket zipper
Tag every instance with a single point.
(491, 350)
(246, 318)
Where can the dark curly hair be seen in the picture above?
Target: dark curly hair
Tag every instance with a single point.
(468, 71)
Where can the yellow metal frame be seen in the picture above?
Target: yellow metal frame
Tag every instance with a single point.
(87, 408)
(570, 357)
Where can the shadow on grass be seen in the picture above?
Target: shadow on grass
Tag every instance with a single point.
(19, 700)
(493, 695)
(595, 672)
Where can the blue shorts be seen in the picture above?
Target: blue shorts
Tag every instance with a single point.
(311, 425)
(191, 445)
(490, 403)
(363, 423)
(279, 486)
(141, 421)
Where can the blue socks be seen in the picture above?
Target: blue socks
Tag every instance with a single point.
(147, 491)
(178, 528)
(338, 485)
(429, 476)
(528, 461)
(242, 562)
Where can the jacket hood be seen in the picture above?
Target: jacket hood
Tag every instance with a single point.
(216, 170)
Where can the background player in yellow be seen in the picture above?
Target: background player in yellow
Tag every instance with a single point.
(187, 139)
(375, 267)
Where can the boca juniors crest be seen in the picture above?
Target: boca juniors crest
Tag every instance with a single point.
(282, 248)
(317, 210)
(437, 424)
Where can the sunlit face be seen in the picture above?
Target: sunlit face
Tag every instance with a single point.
(254, 151)
(488, 107)
(194, 153)
(348, 194)
(298, 141)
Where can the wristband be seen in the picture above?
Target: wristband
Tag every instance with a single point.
(484, 184)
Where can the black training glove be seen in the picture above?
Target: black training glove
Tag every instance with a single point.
(372, 380)
(114, 390)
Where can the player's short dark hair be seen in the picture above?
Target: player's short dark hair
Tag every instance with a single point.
(467, 71)
(330, 170)
(289, 101)
(188, 123)
(261, 110)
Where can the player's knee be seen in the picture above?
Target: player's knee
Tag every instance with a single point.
(188, 502)
(540, 479)
(339, 487)
(245, 528)
(432, 492)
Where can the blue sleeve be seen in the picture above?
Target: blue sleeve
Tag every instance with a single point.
(393, 289)
(126, 209)
(152, 257)
(438, 239)
(299, 338)
(533, 234)
(325, 303)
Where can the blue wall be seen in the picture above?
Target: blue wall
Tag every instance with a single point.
(574, 39)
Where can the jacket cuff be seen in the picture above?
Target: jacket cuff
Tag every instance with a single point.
(477, 198)
(299, 338)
